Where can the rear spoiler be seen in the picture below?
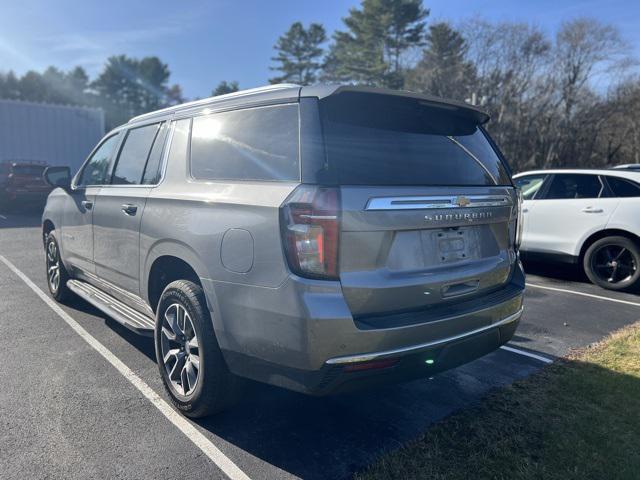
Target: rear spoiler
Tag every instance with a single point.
(476, 114)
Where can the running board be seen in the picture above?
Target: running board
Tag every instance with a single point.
(121, 313)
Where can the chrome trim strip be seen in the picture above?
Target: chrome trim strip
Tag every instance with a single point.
(438, 201)
(365, 357)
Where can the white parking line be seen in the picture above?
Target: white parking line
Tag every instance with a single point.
(223, 462)
(526, 354)
(3, 217)
(564, 290)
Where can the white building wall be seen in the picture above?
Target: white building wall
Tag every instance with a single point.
(55, 134)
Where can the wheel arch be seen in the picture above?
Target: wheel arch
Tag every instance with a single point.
(607, 232)
(167, 262)
(47, 226)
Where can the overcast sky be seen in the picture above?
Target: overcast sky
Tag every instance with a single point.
(207, 41)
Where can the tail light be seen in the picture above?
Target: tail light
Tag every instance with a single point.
(310, 224)
(519, 220)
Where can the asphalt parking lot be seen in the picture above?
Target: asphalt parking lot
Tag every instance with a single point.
(67, 412)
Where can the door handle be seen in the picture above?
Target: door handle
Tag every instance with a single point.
(592, 210)
(86, 204)
(525, 210)
(129, 209)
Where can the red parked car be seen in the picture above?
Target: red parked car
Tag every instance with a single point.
(22, 181)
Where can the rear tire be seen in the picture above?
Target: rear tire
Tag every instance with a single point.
(613, 263)
(191, 364)
(57, 275)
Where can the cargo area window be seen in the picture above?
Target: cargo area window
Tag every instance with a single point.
(251, 144)
(623, 188)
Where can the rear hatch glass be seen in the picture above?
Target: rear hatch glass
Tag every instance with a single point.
(28, 170)
(428, 208)
(386, 140)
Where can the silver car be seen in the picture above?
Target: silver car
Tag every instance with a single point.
(317, 238)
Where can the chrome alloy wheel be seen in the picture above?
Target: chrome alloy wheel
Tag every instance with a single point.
(614, 263)
(180, 349)
(53, 266)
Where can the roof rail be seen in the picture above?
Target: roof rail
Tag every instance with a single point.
(195, 103)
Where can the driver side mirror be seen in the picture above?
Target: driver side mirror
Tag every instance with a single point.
(58, 177)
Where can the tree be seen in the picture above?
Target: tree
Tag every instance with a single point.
(299, 54)
(174, 95)
(378, 35)
(10, 86)
(225, 87)
(444, 70)
(128, 87)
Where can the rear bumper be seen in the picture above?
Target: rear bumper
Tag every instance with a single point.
(301, 336)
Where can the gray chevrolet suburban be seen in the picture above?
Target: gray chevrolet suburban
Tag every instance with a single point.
(318, 238)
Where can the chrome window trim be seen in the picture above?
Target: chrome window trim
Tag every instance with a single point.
(437, 201)
(163, 161)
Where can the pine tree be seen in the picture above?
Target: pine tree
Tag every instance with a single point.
(225, 87)
(299, 56)
(377, 37)
(443, 70)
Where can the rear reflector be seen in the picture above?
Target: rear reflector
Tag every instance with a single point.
(372, 365)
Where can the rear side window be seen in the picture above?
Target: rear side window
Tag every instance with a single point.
(385, 140)
(98, 167)
(623, 188)
(133, 155)
(566, 186)
(251, 144)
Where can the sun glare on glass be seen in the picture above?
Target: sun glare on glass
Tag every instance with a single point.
(207, 128)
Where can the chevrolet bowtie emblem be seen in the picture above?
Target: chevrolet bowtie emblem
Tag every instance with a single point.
(462, 201)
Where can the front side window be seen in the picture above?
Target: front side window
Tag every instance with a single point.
(96, 170)
(529, 185)
(566, 186)
(133, 155)
(623, 188)
(250, 144)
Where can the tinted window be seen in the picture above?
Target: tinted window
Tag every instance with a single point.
(30, 170)
(529, 185)
(565, 186)
(251, 144)
(384, 140)
(97, 168)
(623, 188)
(152, 171)
(133, 155)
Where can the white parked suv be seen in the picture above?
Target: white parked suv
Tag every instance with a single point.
(590, 217)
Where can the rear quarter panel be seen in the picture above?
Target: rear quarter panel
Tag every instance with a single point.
(626, 216)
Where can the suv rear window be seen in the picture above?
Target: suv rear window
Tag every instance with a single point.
(385, 140)
(250, 144)
(30, 170)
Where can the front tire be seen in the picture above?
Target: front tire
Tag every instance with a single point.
(613, 263)
(191, 364)
(57, 275)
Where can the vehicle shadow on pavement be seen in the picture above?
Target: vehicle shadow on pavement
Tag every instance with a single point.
(333, 437)
(558, 271)
(141, 343)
